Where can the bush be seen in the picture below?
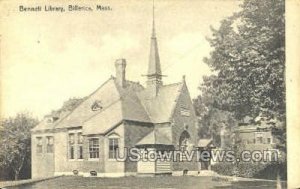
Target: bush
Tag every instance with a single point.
(271, 171)
(252, 170)
(223, 168)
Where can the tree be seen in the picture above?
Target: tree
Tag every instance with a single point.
(248, 60)
(212, 120)
(15, 142)
(15, 139)
(69, 105)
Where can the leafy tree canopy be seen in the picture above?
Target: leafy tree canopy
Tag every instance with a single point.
(68, 105)
(248, 60)
(15, 142)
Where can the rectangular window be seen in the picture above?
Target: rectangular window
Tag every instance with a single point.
(113, 148)
(39, 145)
(80, 147)
(80, 152)
(71, 146)
(50, 143)
(269, 140)
(72, 152)
(94, 148)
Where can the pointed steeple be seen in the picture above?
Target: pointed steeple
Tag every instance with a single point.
(154, 61)
(153, 21)
(154, 75)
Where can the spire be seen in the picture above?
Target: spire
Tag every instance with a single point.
(154, 61)
(153, 21)
(154, 75)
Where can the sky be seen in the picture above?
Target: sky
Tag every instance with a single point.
(49, 57)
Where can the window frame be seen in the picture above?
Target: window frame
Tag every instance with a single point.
(95, 148)
(50, 145)
(113, 148)
(39, 145)
(80, 152)
(184, 140)
(71, 146)
(80, 141)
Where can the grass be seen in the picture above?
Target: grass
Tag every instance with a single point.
(72, 182)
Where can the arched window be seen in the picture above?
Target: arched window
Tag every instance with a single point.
(184, 140)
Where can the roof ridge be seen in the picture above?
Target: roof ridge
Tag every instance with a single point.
(140, 103)
(143, 105)
(127, 94)
(121, 99)
(177, 97)
(111, 78)
(172, 84)
(137, 82)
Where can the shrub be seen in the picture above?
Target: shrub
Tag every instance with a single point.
(252, 170)
(223, 168)
(272, 169)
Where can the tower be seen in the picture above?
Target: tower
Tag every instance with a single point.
(154, 75)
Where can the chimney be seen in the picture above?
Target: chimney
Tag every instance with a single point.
(120, 72)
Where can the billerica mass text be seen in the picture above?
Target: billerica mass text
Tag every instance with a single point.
(50, 8)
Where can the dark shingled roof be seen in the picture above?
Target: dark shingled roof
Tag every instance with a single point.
(132, 102)
(127, 107)
(155, 137)
(161, 107)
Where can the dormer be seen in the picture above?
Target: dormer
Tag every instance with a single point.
(97, 105)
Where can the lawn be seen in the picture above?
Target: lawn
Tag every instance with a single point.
(141, 182)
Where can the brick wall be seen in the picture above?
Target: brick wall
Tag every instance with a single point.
(184, 118)
(113, 166)
(134, 132)
(42, 163)
(65, 165)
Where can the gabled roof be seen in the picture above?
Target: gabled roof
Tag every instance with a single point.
(43, 125)
(106, 93)
(131, 102)
(127, 107)
(132, 108)
(104, 120)
(117, 104)
(161, 107)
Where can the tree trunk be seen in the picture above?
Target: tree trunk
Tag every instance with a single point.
(19, 167)
(17, 175)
